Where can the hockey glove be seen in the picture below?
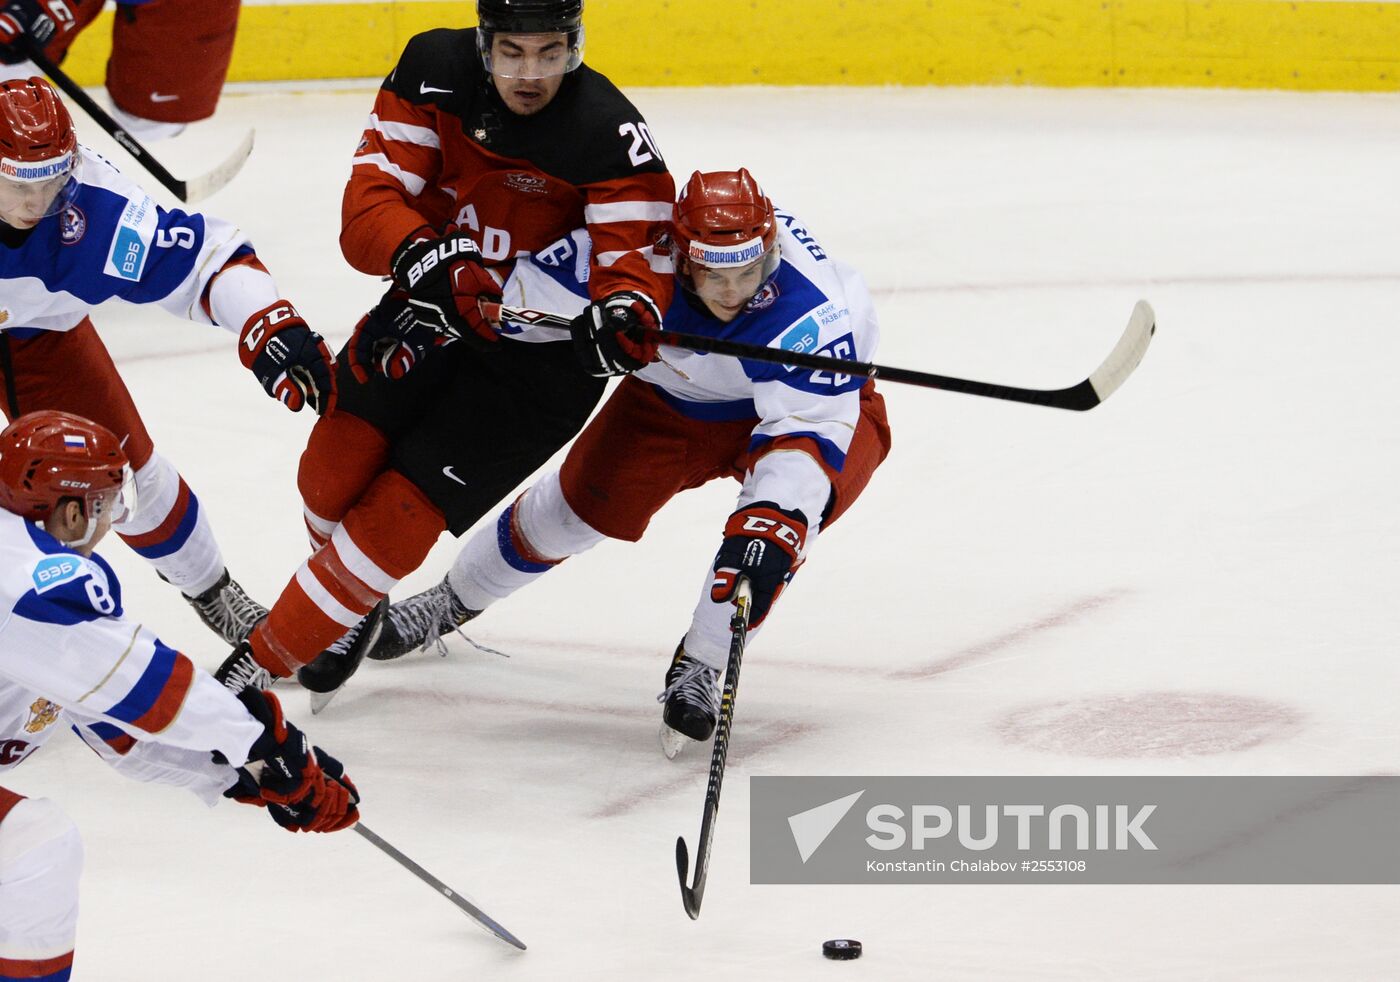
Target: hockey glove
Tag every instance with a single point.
(445, 283)
(610, 336)
(31, 22)
(290, 360)
(390, 340)
(764, 544)
(304, 788)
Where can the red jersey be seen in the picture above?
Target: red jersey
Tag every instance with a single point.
(442, 148)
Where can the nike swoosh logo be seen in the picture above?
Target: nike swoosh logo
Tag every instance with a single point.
(424, 88)
(157, 97)
(448, 472)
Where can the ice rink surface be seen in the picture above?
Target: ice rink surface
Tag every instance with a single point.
(1198, 577)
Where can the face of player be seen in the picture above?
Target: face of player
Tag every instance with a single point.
(725, 292)
(527, 69)
(24, 205)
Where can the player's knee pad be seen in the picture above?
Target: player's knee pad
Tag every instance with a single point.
(342, 458)
(545, 525)
(394, 525)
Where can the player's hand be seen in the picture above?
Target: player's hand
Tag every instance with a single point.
(26, 22)
(304, 788)
(610, 336)
(390, 339)
(290, 360)
(764, 544)
(445, 283)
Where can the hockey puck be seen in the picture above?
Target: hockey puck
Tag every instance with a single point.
(841, 950)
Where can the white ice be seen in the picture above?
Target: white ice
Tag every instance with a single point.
(1223, 532)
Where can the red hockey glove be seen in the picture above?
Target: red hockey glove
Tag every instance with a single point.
(609, 336)
(762, 543)
(290, 360)
(26, 22)
(390, 339)
(304, 788)
(445, 283)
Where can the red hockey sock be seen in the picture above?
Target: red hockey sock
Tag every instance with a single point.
(382, 539)
(342, 458)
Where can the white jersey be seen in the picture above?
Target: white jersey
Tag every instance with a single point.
(813, 305)
(113, 241)
(69, 656)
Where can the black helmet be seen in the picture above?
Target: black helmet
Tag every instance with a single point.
(530, 16)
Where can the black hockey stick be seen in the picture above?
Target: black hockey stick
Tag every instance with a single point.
(469, 908)
(1119, 364)
(187, 191)
(693, 895)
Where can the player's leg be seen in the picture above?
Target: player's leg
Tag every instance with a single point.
(41, 860)
(169, 60)
(628, 462)
(349, 447)
(72, 371)
(693, 681)
(497, 419)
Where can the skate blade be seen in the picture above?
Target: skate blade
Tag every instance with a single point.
(320, 700)
(672, 741)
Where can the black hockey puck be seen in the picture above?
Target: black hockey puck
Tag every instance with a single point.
(841, 950)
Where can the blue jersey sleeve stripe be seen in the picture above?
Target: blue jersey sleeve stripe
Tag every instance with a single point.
(832, 455)
(148, 688)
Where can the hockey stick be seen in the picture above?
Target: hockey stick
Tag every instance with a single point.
(187, 191)
(694, 894)
(470, 909)
(1119, 364)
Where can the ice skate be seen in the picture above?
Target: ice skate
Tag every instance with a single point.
(420, 621)
(227, 610)
(691, 701)
(332, 668)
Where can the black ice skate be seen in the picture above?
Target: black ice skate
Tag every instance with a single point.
(692, 701)
(226, 610)
(421, 620)
(333, 667)
(241, 671)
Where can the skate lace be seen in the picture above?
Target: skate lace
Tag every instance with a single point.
(695, 683)
(247, 674)
(231, 612)
(427, 617)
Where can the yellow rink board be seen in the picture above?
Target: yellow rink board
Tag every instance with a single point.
(1232, 43)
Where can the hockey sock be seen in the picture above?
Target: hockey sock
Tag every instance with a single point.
(41, 860)
(171, 531)
(383, 539)
(534, 534)
(343, 456)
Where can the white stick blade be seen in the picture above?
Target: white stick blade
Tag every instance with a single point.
(1127, 353)
(198, 188)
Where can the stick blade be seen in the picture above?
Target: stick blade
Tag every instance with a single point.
(1126, 354)
(689, 898)
(198, 188)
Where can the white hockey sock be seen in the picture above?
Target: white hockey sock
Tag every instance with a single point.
(533, 535)
(171, 530)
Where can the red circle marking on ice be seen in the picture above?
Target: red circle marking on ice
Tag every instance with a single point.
(1150, 724)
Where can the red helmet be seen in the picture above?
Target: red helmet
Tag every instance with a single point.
(48, 456)
(722, 219)
(37, 143)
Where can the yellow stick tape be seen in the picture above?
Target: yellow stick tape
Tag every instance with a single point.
(1307, 44)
